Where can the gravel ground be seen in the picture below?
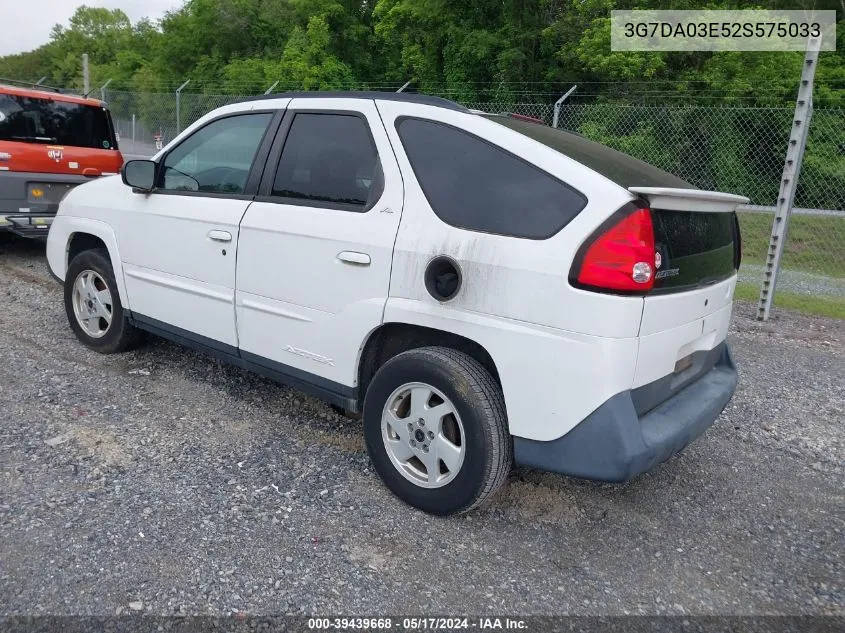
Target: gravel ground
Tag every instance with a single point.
(164, 482)
(797, 281)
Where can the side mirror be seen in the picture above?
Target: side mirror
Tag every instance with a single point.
(140, 175)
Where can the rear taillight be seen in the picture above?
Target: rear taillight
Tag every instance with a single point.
(619, 258)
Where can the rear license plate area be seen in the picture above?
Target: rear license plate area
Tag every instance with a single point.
(46, 193)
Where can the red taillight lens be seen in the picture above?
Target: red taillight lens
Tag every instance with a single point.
(622, 257)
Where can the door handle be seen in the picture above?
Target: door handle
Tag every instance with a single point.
(354, 257)
(220, 236)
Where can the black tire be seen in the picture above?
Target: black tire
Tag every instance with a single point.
(481, 407)
(120, 335)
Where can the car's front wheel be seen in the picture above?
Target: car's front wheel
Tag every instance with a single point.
(93, 307)
(436, 430)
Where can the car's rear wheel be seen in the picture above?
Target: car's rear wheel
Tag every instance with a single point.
(93, 307)
(436, 430)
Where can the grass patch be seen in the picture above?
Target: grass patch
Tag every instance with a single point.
(833, 307)
(814, 244)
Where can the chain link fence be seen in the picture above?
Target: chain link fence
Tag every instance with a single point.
(734, 149)
(146, 121)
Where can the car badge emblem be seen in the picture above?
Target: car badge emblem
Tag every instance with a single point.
(55, 153)
(658, 259)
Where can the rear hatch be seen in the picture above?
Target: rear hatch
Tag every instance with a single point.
(687, 312)
(49, 144)
(56, 135)
(676, 246)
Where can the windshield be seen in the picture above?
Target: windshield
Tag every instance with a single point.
(34, 120)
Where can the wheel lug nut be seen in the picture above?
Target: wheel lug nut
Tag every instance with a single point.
(413, 443)
(430, 435)
(425, 448)
(422, 422)
(410, 426)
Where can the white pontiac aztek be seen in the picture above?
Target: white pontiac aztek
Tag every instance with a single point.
(482, 289)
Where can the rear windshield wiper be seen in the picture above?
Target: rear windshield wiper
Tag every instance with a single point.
(35, 139)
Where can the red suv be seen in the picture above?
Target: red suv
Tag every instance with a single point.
(49, 143)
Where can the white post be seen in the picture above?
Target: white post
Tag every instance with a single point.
(103, 90)
(133, 133)
(179, 106)
(559, 103)
(271, 88)
(405, 85)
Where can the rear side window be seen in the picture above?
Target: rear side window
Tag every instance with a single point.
(329, 160)
(31, 120)
(474, 185)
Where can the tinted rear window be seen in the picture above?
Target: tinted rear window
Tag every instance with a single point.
(475, 185)
(695, 248)
(31, 120)
(621, 168)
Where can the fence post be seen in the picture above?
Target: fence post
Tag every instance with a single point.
(559, 103)
(86, 78)
(133, 133)
(789, 180)
(103, 90)
(178, 106)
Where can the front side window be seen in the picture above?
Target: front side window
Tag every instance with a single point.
(331, 159)
(216, 158)
(475, 185)
(34, 120)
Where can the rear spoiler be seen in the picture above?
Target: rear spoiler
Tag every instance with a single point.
(689, 199)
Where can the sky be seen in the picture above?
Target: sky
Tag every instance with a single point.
(26, 24)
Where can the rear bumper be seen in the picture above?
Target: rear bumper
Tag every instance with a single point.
(614, 443)
(26, 217)
(35, 225)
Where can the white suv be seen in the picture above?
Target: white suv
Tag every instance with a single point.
(481, 288)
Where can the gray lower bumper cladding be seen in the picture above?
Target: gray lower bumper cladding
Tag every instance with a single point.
(614, 443)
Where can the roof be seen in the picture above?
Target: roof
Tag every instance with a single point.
(35, 93)
(404, 97)
(617, 166)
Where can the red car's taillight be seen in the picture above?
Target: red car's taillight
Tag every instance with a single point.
(620, 258)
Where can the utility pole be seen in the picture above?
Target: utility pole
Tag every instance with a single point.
(86, 78)
(789, 180)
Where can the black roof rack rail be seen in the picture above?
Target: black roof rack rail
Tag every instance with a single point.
(406, 97)
(29, 84)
